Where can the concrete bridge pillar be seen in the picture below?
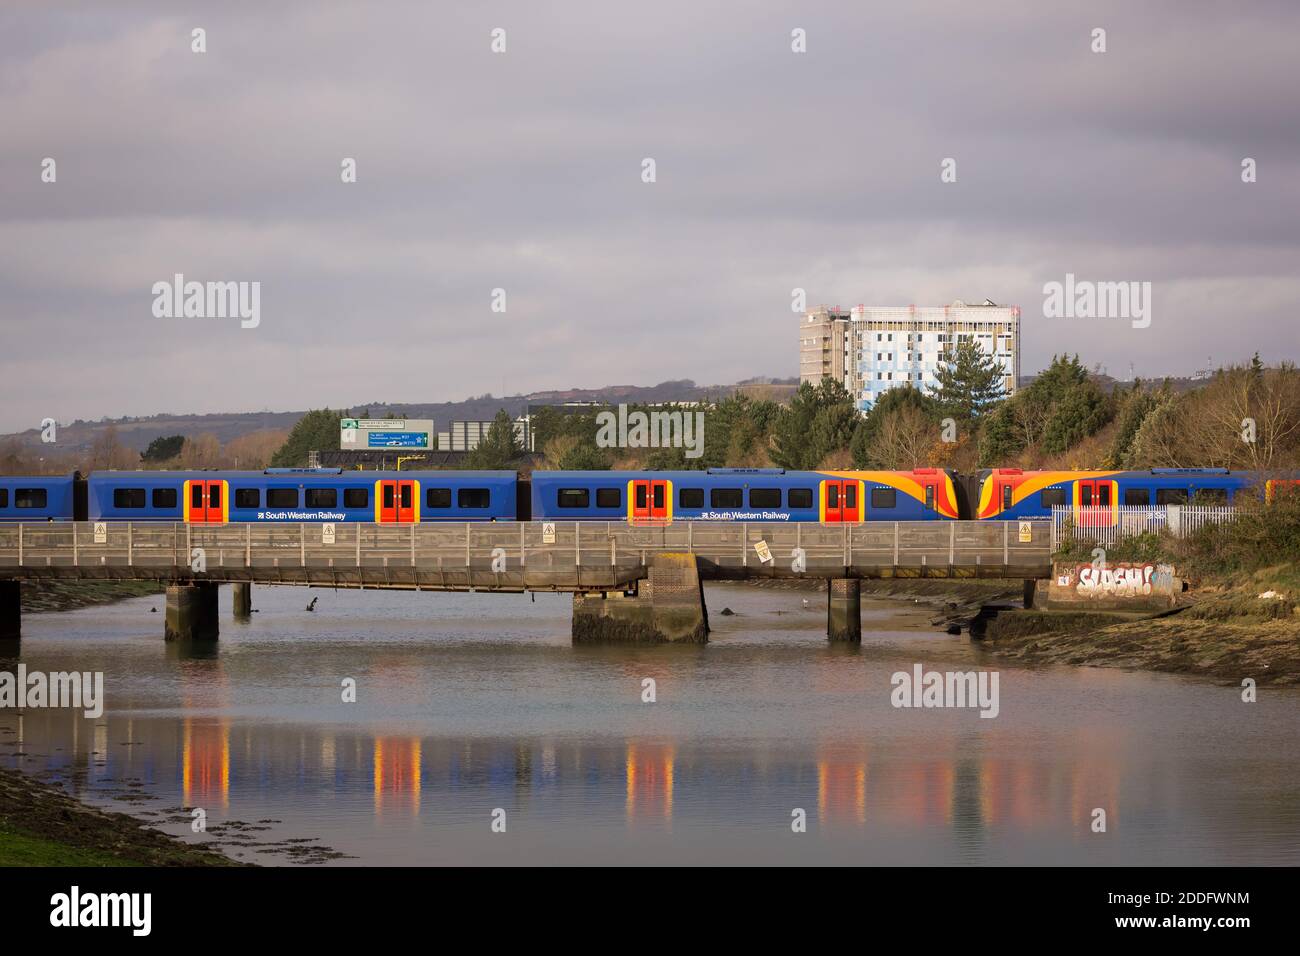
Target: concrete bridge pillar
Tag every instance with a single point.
(191, 612)
(844, 610)
(11, 614)
(243, 597)
(667, 608)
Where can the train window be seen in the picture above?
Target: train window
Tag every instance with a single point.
(388, 494)
(1171, 496)
(282, 497)
(1211, 496)
(1051, 497)
(573, 498)
(799, 497)
(765, 497)
(609, 498)
(4, 497)
(164, 497)
(437, 498)
(322, 498)
(929, 497)
(832, 496)
(640, 496)
(1138, 497)
(726, 498)
(884, 497)
(248, 497)
(196, 495)
(214, 495)
(657, 496)
(1006, 496)
(128, 497)
(357, 498)
(30, 498)
(404, 492)
(1085, 495)
(850, 494)
(473, 497)
(690, 498)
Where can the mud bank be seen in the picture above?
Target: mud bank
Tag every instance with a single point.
(40, 825)
(59, 595)
(1195, 641)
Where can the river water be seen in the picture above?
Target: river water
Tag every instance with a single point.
(468, 705)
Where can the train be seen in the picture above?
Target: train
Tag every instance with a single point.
(285, 495)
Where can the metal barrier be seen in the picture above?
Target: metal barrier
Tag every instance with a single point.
(1106, 526)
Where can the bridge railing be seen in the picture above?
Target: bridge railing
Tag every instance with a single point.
(555, 550)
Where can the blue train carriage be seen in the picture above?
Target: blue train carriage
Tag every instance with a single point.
(743, 494)
(302, 494)
(1095, 496)
(40, 498)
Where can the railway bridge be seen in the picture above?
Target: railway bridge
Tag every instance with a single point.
(630, 582)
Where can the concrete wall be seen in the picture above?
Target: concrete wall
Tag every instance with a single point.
(668, 607)
(1120, 586)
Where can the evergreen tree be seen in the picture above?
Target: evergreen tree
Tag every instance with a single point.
(163, 448)
(970, 383)
(498, 448)
(316, 431)
(802, 435)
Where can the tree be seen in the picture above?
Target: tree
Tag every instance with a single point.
(970, 382)
(904, 396)
(163, 448)
(903, 439)
(316, 431)
(812, 426)
(498, 448)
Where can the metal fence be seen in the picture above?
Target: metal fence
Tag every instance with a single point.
(1106, 526)
(559, 554)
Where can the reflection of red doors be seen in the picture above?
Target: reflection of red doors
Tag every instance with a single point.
(1094, 503)
(840, 501)
(205, 502)
(649, 500)
(396, 502)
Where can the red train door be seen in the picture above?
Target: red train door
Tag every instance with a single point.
(396, 502)
(205, 505)
(1094, 503)
(840, 501)
(649, 501)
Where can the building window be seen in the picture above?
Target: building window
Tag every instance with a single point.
(799, 497)
(726, 498)
(437, 498)
(473, 497)
(356, 497)
(30, 498)
(248, 497)
(573, 498)
(609, 497)
(128, 497)
(690, 498)
(164, 497)
(322, 498)
(765, 497)
(282, 497)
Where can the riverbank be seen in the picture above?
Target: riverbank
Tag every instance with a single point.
(40, 825)
(1248, 628)
(44, 594)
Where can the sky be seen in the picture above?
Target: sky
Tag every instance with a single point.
(523, 170)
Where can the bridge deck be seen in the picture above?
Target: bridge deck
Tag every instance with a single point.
(515, 556)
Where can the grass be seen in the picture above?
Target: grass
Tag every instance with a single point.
(19, 848)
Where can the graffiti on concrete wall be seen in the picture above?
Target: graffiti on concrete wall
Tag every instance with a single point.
(1118, 581)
